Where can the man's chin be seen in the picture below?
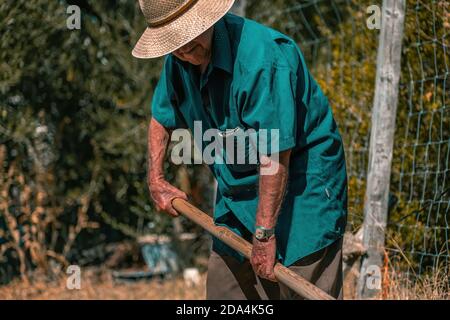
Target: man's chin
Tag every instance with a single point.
(196, 63)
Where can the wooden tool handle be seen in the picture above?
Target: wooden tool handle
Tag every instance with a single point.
(283, 274)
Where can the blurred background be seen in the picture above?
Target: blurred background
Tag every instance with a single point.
(74, 109)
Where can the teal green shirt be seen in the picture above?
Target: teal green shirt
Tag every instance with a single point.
(258, 79)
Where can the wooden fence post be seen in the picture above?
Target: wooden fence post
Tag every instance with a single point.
(381, 147)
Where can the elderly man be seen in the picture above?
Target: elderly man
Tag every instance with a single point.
(233, 73)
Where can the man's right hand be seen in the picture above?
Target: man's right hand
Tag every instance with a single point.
(163, 193)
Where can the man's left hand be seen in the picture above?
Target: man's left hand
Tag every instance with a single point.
(263, 258)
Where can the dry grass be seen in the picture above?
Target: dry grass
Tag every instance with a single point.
(427, 287)
(397, 286)
(97, 284)
(100, 285)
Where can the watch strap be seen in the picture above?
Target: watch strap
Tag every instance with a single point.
(262, 233)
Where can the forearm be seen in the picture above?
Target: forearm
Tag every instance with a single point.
(157, 142)
(272, 189)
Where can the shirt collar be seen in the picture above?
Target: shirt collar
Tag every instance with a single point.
(221, 48)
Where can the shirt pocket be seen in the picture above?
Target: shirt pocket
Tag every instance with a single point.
(240, 151)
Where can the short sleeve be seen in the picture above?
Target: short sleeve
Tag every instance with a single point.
(268, 102)
(165, 101)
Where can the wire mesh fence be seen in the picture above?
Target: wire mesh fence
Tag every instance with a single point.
(419, 227)
(341, 50)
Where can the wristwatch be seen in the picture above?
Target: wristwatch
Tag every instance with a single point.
(262, 233)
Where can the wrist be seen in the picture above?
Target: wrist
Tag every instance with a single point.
(265, 223)
(155, 177)
(265, 218)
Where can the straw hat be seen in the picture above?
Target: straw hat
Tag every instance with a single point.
(174, 23)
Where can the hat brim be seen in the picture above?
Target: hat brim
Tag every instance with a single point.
(160, 41)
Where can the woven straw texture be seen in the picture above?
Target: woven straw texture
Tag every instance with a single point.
(161, 40)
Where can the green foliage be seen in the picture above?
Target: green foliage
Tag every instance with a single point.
(74, 106)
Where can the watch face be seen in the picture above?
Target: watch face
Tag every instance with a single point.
(259, 234)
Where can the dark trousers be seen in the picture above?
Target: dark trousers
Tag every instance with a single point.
(230, 279)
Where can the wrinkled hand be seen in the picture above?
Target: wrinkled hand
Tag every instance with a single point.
(163, 193)
(264, 257)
